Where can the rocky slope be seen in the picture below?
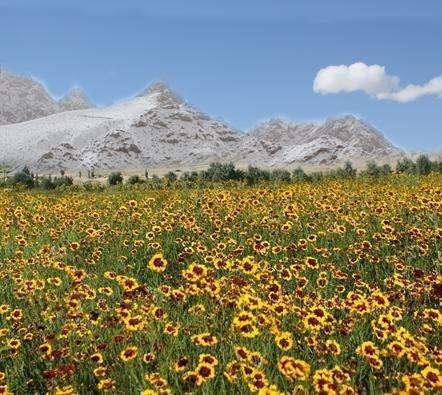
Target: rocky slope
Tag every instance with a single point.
(75, 99)
(281, 143)
(156, 128)
(24, 99)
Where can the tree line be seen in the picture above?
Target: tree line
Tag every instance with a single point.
(220, 172)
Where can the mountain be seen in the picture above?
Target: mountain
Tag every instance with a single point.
(23, 98)
(75, 99)
(282, 143)
(156, 128)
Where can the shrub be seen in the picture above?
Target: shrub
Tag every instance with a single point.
(423, 164)
(24, 177)
(317, 176)
(348, 171)
(63, 181)
(372, 170)
(280, 175)
(299, 175)
(171, 176)
(255, 174)
(49, 183)
(222, 172)
(189, 177)
(135, 179)
(46, 183)
(115, 178)
(385, 169)
(405, 165)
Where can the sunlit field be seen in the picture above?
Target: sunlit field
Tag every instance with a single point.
(331, 287)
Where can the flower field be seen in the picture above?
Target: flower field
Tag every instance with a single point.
(330, 288)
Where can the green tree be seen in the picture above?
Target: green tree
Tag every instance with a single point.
(423, 164)
(115, 178)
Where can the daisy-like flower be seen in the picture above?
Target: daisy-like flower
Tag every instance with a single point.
(284, 341)
(204, 372)
(294, 369)
(158, 263)
(128, 353)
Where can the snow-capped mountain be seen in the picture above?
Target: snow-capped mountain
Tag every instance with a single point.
(157, 128)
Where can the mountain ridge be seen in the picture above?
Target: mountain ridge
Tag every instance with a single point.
(159, 128)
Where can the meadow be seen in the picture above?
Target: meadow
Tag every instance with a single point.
(331, 287)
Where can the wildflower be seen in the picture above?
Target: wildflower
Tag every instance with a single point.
(293, 369)
(158, 263)
(128, 353)
(204, 372)
(284, 341)
(106, 384)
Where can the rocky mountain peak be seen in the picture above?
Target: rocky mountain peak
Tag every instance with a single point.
(23, 98)
(75, 99)
(166, 97)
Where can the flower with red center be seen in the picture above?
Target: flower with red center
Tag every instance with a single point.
(333, 347)
(158, 263)
(293, 369)
(433, 377)
(208, 359)
(204, 372)
(181, 364)
(16, 314)
(97, 358)
(284, 341)
(129, 353)
(148, 357)
(368, 350)
(311, 262)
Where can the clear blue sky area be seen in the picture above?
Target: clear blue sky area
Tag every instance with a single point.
(240, 60)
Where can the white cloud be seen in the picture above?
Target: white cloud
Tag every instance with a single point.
(373, 80)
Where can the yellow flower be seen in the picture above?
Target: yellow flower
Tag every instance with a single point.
(158, 263)
(284, 341)
(129, 353)
(294, 369)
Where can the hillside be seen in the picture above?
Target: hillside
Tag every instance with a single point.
(280, 142)
(155, 128)
(158, 128)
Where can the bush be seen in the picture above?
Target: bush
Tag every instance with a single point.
(171, 176)
(135, 179)
(254, 175)
(63, 181)
(189, 177)
(372, 170)
(280, 175)
(222, 172)
(115, 178)
(385, 169)
(299, 175)
(317, 176)
(348, 171)
(405, 165)
(423, 165)
(24, 177)
(46, 183)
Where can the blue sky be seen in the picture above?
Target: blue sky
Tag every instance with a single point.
(242, 61)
